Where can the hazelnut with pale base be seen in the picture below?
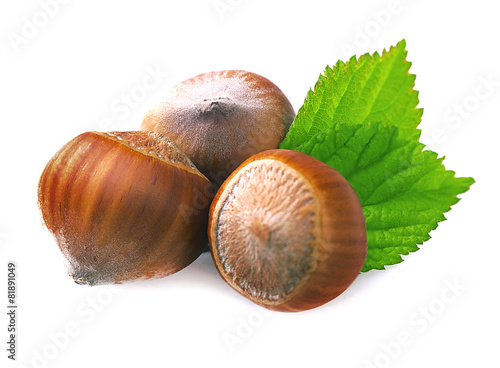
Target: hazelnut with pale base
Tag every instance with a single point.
(287, 231)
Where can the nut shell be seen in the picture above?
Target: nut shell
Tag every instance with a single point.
(124, 206)
(219, 119)
(287, 231)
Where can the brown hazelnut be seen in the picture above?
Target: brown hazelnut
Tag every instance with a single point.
(219, 119)
(287, 231)
(124, 206)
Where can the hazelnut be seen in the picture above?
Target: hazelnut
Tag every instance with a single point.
(287, 231)
(219, 119)
(124, 206)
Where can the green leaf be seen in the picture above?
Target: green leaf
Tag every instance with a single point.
(403, 189)
(372, 88)
(362, 120)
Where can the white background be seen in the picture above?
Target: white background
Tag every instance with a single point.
(69, 76)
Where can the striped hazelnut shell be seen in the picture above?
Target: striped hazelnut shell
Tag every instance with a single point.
(124, 206)
(221, 118)
(287, 231)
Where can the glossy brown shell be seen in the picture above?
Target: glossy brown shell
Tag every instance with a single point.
(124, 206)
(219, 119)
(338, 249)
